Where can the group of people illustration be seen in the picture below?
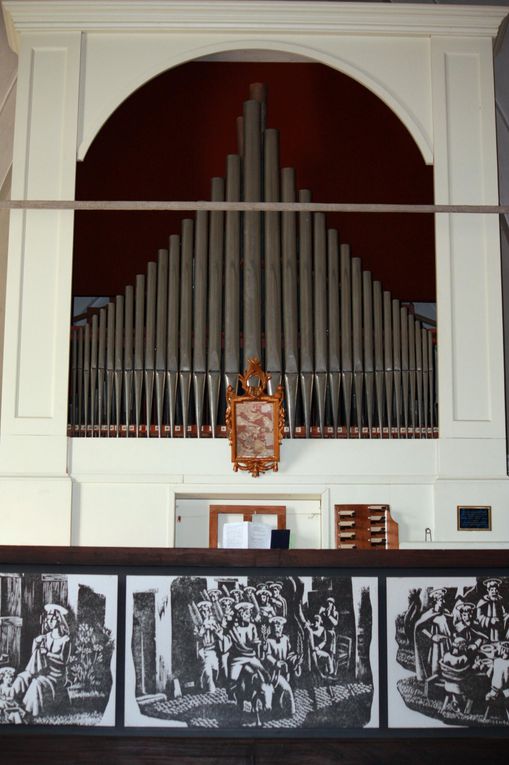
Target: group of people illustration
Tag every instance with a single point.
(40, 688)
(242, 634)
(466, 646)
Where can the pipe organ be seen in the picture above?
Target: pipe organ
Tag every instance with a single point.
(281, 286)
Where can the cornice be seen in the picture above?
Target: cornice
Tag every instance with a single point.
(258, 16)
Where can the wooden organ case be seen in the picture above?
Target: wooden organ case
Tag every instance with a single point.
(278, 285)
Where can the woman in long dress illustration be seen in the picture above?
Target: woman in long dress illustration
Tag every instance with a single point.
(43, 682)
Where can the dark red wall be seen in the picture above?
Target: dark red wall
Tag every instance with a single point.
(168, 139)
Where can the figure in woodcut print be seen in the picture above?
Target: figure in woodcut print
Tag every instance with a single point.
(42, 685)
(432, 636)
(491, 612)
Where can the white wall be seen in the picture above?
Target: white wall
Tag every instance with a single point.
(8, 71)
(5, 194)
(131, 491)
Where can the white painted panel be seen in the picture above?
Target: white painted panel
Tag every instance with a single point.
(472, 458)
(488, 546)
(469, 313)
(46, 122)
(36, 370)
(395, 69)
(450, 494)
(463, 104)
(208, 460)
(471, 399)
(121, 515)
(32, 455)
(41, 236)
(470, 346)
(304, 525)
(34, 395)
(35, 511)
(192, 522)
(43, 330)
(412, 507)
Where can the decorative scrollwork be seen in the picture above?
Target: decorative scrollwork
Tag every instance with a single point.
(254, 370)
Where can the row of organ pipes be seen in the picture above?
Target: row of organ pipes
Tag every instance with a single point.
(279, 286)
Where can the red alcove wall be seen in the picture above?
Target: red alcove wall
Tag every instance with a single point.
(169, 138)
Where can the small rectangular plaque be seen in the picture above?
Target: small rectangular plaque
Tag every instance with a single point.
(474, 518)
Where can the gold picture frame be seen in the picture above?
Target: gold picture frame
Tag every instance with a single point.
(255, 422)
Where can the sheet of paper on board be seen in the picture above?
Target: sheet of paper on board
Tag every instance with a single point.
(246, 535)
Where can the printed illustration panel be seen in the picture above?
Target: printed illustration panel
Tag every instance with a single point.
(238, 652)
(57, 649)
(448, 651)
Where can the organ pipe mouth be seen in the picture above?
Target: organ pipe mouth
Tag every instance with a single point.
(232, 285)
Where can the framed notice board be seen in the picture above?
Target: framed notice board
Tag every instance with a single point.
(474, 517)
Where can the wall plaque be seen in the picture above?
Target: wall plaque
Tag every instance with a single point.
(474, 518)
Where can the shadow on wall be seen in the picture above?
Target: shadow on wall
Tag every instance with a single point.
(5, 193)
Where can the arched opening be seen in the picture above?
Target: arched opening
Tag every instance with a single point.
(170, 137)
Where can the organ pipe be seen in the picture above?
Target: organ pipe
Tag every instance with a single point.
(215, 303)
(306, 309)
(334, 366)
(278, 285)
(128, 354)
(186, 307)
(290, 318)
(161, 331)
(173, 327)
(200, 315)
(320, 323)
(272, 234)
(252, 239)
(346, 334)
(367, 315)
(110, 354)
(358, 371)
(232, 276)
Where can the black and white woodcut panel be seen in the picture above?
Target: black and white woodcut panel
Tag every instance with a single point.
(244, 652)
(448, 651)
(57, 649)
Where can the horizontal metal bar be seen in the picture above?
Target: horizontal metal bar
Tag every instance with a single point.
(83, 205)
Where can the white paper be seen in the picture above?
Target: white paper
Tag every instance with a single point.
(259, 536)
(236, 535)
(246, 535)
